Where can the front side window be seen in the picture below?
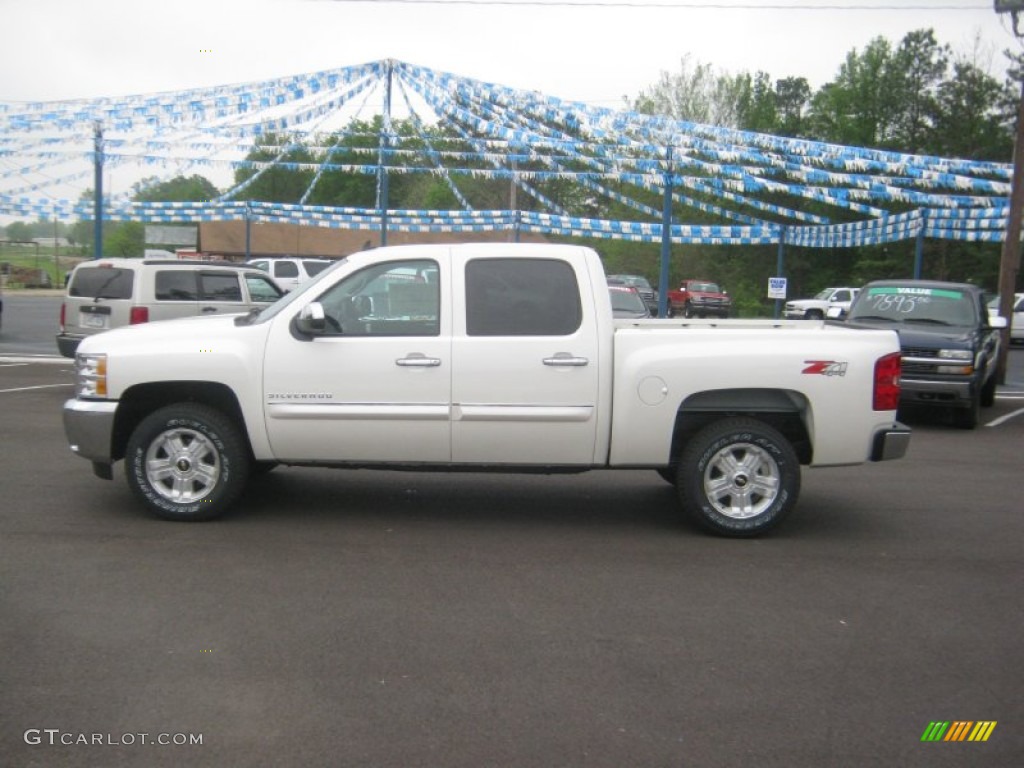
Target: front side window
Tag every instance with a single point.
(521, 297)
(175, 285)
(396, 298)
(261, 289)
(219, 286)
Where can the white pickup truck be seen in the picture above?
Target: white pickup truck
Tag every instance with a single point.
(503, 357)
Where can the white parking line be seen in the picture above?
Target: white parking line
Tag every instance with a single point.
(1003, 419)
(37, 386)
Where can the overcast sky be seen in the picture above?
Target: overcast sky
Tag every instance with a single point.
(58, 49)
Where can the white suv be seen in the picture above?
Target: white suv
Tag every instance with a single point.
(838, 300)
(110, 293)
(289, 271)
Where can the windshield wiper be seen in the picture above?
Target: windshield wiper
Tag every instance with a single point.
(876, 317)
(930, 320)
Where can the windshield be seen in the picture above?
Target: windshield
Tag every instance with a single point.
(913, 304)
(705, 287)
(636, 281)
(825, 295)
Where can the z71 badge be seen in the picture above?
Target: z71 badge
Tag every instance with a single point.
(824, 368)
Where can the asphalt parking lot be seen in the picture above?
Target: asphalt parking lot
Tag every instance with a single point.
(386, 619)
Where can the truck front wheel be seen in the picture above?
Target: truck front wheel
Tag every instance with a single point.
(187, 462)
(739, 477)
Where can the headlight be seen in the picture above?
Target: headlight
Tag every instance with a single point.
(956, 354)
(90, 375)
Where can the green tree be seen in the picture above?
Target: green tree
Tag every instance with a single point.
(916, 71)
(183, 189)
(125, 238)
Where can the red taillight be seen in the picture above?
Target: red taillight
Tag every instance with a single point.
(63, 314)
(138, 315)
(887, 383)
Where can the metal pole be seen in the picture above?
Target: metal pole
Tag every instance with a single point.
(385, 142)
(780, 265)
(97, 228)
(666, 237)
(1009, 263)
(248, 232)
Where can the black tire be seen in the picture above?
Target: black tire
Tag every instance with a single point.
(668, 474)
(988, 392)
(738, 477)
(187, 462)
(969, 417)
(688, 311)
(814, 314)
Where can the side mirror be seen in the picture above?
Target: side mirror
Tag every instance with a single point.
(311, 319)
(834, 313)
(996, 321)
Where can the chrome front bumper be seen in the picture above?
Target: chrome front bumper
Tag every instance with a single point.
(89, 427)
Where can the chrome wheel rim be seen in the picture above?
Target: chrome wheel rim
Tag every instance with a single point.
(182, 465)
(742, 481)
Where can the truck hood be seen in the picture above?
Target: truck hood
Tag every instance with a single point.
(914, 335)
(187, 331)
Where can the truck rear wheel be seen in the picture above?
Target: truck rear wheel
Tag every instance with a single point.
(739, 477)
(187, 462)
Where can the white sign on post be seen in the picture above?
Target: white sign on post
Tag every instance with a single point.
(776, 287)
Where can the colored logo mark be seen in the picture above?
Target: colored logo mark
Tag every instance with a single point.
(959, 730)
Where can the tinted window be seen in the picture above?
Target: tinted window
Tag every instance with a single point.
(315, 267)
(102, 282)
(396, 298)
(261, 289)
(521, 297)
(285, 269)
(219, 287)
(176, 285)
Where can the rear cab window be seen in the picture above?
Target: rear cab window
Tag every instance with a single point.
(522, 297)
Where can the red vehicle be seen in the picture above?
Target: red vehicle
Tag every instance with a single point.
(699, 298)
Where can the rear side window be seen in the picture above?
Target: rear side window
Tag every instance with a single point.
(219, 287)
(285, 269)
(175, 285)
(102, 283)
(315, 267)
(521, 297)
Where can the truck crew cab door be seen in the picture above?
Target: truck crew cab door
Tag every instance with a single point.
(375, 385)
(525, 362)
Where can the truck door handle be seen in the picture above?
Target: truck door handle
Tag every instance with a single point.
(209, 309)
(418, 361)
(563, 358)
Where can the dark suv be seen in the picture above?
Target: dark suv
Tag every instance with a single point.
(949, 344)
